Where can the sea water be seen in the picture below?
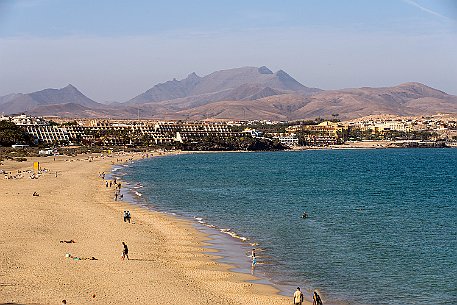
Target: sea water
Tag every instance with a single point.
(381, 227)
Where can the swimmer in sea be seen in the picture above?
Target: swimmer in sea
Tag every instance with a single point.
(305, 215)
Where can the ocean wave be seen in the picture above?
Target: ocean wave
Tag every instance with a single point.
(200, 220)
(225, 231)
(233, 234)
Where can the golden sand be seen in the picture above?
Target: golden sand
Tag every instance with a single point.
(168, 262)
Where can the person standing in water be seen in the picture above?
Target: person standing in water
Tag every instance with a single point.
(253, 258)
(316, 298)
(298, 297)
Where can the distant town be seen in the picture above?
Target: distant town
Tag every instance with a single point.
(382, 131)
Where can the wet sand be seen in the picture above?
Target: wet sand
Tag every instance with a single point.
(168, 264)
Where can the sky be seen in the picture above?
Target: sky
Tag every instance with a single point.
(113, 50)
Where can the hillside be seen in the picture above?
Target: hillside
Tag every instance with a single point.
(404, 99)
(232, 80)
(246, 93)
(17, 103)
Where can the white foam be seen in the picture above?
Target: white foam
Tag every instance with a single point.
(233, 234)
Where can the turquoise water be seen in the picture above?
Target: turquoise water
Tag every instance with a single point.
(382, 226)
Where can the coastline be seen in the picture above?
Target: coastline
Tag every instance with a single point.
(231, 248)
(168, 254)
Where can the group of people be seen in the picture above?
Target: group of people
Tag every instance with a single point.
(127, 216)
(298, 295)
(118, 195)
(117, 192)
(298, 298)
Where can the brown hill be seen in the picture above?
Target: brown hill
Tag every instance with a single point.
(222, 85)
(72, 110)
(17, 103)
(405, 99)
(239, 94)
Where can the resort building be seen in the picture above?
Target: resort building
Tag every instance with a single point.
(325, 133)
(23, 120)
(47, 133)
(384, 126)
(289, 140)
(124, 132)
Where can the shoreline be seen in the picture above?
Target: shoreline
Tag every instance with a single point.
(219, 241)
(238, 261)
(168, 254)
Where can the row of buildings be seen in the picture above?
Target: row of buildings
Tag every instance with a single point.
(122, 132)
(443, 128)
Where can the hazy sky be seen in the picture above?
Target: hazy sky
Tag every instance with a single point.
(113, 50)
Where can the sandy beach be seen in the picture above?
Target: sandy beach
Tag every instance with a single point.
(168, 262)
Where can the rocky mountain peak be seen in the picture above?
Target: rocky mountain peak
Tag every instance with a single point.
(281, 74)
(193, 75)
(264, 70)
(70, 87)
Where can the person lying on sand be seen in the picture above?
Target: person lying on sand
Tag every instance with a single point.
(76, 258)
(71, 241)
(35, 194)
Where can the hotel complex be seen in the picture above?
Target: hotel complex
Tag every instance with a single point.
(128, 132)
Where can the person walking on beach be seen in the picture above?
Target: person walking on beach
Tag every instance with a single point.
(125, 252)
(298, 297)
(316, 299)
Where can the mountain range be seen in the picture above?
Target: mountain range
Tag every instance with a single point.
(237, 94)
